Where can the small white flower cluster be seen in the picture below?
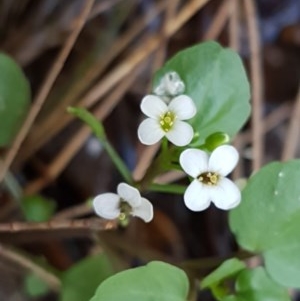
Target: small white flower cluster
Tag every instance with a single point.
(165, 112)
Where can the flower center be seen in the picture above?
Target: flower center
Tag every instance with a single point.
(125, 211)
(167, 121)
(209, 178)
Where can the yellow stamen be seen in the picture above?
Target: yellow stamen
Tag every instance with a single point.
(209, 178)
(167, 121)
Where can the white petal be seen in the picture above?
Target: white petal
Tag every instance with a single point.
(175, 87)
(183, 106)
(129, 194)
(152, 106)
(226, 195)
(144, 211)
(223, 160)
(150, 132)
(197, 196)
(194, 161)
(181, 133)
(106, 205)
(160, 90)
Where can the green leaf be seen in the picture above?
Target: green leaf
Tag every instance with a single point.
(37, 209)
(14, 99)
(34, 286)
(215, 79)
(155, 281)
(255, 285)
(81, 280)
(95, 125)
(227, 269)
(268, 220)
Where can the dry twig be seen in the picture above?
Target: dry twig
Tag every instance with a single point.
(96, 224)
(257, 84)
(293, 133)
(234, 25)
(219, 21)
(50, 279)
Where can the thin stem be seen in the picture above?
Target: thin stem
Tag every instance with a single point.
(164, 145)
(13, 186)
(122, 168)
(167, 188)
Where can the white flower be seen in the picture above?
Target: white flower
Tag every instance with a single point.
(170, 85)
(166, 120)
(127, 202)
(210, 183)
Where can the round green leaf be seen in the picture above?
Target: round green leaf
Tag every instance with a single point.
(14, 98)
(37, 209)
(268, 220)
(216, 80)
(156, 281)
(255, 285)
(227, 269)
(79, 283)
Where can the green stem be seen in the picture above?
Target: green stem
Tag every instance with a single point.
(13, 186)
(164, 146)
(167, 188)
(120, 165)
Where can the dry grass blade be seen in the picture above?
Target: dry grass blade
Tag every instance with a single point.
(293, 133)
(45, 89)
(234, 25)
(56, 225)
(219, 21)
(257, 84)
(52, 281)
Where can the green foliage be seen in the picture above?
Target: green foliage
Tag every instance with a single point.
(227, 269)
(215, 79)
(37, 209)
(34, 286)
(156, 281)
(14, 98)
(81, 280)
(268, 220)
(255, 285)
